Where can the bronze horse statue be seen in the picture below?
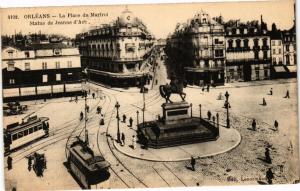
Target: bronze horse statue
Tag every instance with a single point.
(176, 87)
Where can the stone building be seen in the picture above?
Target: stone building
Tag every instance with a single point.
(117, 54)
(289, 51)
(247, 51)
(198, 48)
(40, 69)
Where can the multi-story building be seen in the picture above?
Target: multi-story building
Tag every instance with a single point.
(247, 51)
(289, 51)
(118, 53)
(40, 69)
(198, 48)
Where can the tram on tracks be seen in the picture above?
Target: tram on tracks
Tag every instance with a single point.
(19, 134)
(89, 169)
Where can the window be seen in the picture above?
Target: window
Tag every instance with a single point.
(287, 47)
(35, 128)
(274, 51)
(14, 137)
(266, 72)
(279, 51)
(25, 132)
(255, 42)
(219, 53)
(10, 54)
(27, 66)
(57, 51)
(279, 43)
(20, 134)
(256, 55)
(45, 78)
(273, 43)
(69, 64)
(265, 42)
(274, 61)
(27, 55)
(246, 43)
(30, 130)
(58, 77)
(287, 58)
(57, 65)
(280, 60)
(265, 54)
(11, 81)
(10, 67)
(44, 65)
(238, 43)
(229, 43)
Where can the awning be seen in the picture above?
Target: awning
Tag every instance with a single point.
(292, 68)
(279, 69)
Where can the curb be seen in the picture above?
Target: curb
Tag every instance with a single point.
(182, 159)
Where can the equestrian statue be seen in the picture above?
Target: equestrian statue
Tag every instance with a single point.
(175, 87)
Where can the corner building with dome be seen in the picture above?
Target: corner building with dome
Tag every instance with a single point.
(117, 54)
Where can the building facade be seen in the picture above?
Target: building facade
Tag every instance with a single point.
(36, 69)
(117, 54)
(247, 51)
(198, 48)
(290, 51)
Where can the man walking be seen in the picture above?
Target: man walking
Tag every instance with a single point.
(254, 125)
(9, 162)
(123, 139)
(29, 163)
(276, 125)
(130, 122)
(287, 94)
(124, 118)
(193, 162)
(267, 155)
(264, 102)
(269, 176)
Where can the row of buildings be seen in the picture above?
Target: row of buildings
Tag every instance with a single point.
(211, 51)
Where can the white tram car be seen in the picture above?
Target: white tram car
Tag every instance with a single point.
(89, 169)
(17, 135)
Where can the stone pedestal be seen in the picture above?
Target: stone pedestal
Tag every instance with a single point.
(172, 112)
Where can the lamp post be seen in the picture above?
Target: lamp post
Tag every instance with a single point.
(191, 110)
(137, 118)
(118, 125)
(200, 110)
(227, 105)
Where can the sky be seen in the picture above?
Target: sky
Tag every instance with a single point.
(160, 19)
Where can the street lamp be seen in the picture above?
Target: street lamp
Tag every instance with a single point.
(227, 105)
(200, 110)
(137, 118)
(191, 110)
(117, 106)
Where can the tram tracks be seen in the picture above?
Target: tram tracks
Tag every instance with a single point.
(65, 130)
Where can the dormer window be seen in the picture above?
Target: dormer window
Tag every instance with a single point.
(27, 55)
(10, 53)
(245, 31)
(204, 20)
(10, 66)
(57, 52)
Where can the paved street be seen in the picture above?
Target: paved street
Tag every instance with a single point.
(242, 164)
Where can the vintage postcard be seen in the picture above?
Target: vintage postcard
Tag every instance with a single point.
(149, 96)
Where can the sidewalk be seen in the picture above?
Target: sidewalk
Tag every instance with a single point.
(228, 140)
(251, 83)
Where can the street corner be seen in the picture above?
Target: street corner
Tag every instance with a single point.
(228, 140)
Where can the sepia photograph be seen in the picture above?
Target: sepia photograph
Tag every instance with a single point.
(150, 95)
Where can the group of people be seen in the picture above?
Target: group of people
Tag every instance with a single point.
(287, 95)
(124, 117)
(207, 88)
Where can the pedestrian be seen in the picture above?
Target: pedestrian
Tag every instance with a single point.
(81, 115)
(93, 94)
(214, 119)
(133, 142)
(87, 108)
(276, 125)
(193, 162)
(76, 98)
(254, 125)
(264, 102)
(29, 163)
(203, 88)
(271, 91)
(267, 155)
(207, 87)
(124, 118)
(101, 121)
(156, 82)
(269, 176)
(208, 115)
(99, 109)
(9, 162)
(287, 94)
(130, 122)
(122, 139)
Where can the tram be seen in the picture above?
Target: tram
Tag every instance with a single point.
(89, 169)
(31, 128)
